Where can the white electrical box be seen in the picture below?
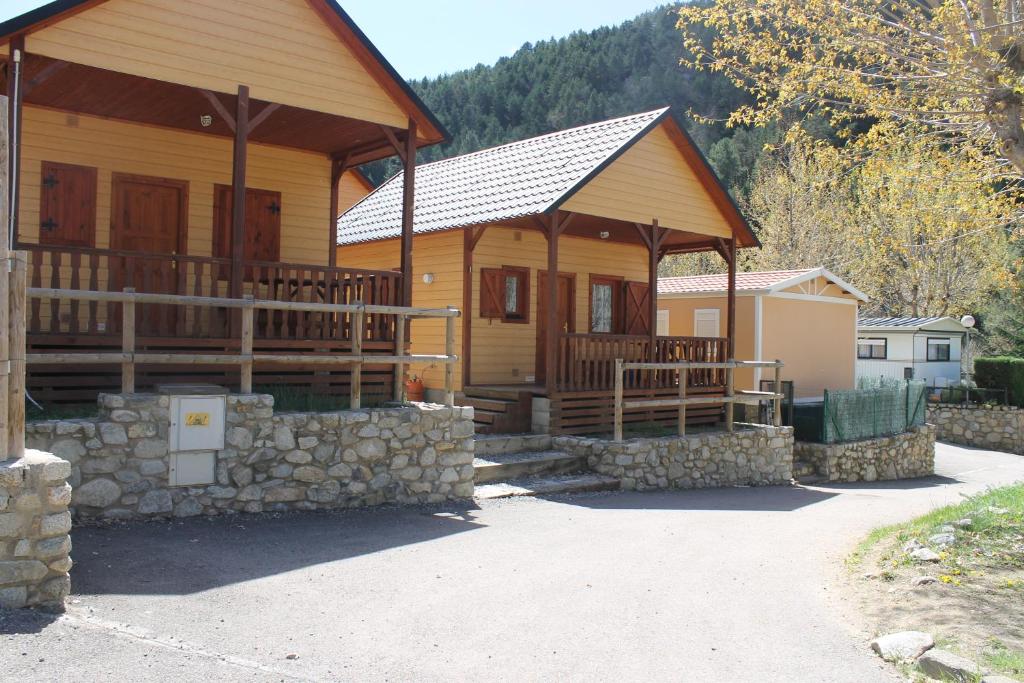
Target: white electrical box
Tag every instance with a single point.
(191, 469)
(197, 423)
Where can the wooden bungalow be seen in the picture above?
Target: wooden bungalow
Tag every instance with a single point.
(594, 209)
(134, 123)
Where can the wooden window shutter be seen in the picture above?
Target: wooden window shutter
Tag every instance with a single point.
(492, 293)
(637, 311)
(67, 206)
(262, 224)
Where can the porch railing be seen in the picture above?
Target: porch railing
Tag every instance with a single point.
(586, 362)
(129, 302)
(108, 270)
(682, 400)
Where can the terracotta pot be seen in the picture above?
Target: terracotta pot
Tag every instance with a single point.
(414, 389)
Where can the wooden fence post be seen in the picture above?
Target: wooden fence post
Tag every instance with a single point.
(449, 366)
(618, 399)
(400, 319)
(18, 286)
(128, 343)
(356, 375)
(777, 419)
(729, 405)
(683, 378)
(248, 314)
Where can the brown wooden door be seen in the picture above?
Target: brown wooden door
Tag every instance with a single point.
(566, 315)
(262, 224)
(148, 215)
(637, 309)
(67, 205)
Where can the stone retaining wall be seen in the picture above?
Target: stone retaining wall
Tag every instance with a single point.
(421, 453)
(34, 526)
(750, 456)
(903, 456)
(998, 428)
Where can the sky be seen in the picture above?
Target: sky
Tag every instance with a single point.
(440, 36)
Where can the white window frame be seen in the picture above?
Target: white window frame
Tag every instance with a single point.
(704, 315)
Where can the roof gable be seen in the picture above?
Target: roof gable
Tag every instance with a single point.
(304, 53)
(518, 179)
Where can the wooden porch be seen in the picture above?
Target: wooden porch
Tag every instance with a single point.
(584, 378)
(67, 325)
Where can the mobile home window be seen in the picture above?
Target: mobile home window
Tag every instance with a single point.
(605, 304)
(875, 349)
(938, 349)
(505, 294)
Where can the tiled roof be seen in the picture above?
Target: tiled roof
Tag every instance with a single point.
(518, 179)
(720, 282)
(898, 322)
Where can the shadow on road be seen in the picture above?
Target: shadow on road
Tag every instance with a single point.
(741, 498)
(186, 556)
(24, 621)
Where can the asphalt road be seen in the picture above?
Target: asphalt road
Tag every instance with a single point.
(714, 585)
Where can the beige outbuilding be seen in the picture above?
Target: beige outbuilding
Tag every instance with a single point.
(807, 318)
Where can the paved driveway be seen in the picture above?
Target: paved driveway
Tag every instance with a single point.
(723, 585)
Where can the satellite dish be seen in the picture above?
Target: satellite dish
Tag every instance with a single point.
(967, 320)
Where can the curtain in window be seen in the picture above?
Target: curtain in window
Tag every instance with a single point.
(511, 294)
(601, 305)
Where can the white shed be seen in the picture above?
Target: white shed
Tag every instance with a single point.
(917, 348)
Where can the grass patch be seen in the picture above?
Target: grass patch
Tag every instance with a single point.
(299, 399)
(1000, 658)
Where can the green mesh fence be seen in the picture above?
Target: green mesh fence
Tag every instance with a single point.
(879, 407)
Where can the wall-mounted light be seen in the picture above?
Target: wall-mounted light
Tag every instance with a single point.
(604, 234)
(428, 278)
(206, 120)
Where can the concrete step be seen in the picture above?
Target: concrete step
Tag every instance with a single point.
(810, 479)
(498, 444)
(540, 486)
(505, 466)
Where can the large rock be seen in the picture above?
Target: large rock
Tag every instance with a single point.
(98, 493)
(156, 503)
(902, 646)
(22, 571)
(946, 666)
(925, 555)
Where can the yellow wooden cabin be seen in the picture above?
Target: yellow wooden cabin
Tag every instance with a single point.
(134, 123)
(595, 208)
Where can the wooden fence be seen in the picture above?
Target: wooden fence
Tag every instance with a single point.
(354, 315)
(683, 370)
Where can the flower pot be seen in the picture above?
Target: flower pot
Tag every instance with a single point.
(414, 389)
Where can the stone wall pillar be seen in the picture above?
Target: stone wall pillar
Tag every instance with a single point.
(34, 527)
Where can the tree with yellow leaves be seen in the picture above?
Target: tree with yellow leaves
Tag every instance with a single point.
(953, 68)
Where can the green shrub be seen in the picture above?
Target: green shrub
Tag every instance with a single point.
(1002, 372)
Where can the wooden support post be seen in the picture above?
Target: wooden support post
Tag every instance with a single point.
(15, 95)
(128, 343)
(729, 393)
(731, 315)
(248, 315)
(553, 333)
(777, 417)
(652, 290)
(5, 280)
(683, 379)
(449, 367)
(18, 286)
(400, 351)
(408, 205)
(338, 167)
(238, 168)
(618, 400)
(356, 376)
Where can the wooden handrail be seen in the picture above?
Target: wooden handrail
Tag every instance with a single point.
(681, 401)
(128, 357)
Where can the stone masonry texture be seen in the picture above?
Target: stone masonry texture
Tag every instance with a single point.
(422, 453)
(35, 546)
(902, 456)
(749, 456)
(998, 428)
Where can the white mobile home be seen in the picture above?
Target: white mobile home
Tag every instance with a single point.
(915, 348)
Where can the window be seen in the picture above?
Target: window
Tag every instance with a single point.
(874, 349)
(707, 322)
(938, 349)
(662, 323)
(605, 304)
(505, 294)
